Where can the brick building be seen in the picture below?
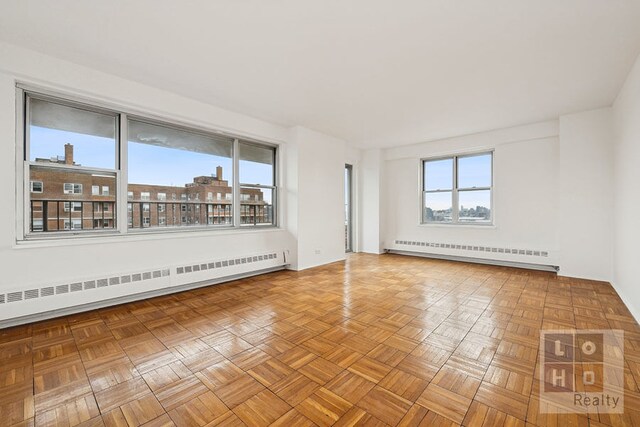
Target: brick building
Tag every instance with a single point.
(64, 199)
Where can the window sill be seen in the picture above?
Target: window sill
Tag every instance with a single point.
(139, 236)
(460, 225)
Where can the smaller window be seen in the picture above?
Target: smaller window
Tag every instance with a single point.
(105, 206)
(75, 206)
(161, 221)
(37, 187)
(218, 196)
(95, 190)
(161, 207)
(145, 195)
(162, 196)
(228, 196)
(130, 195)
(183, 197)
(74, 224)
(72, 188)
(457, 189)
(37, 225)
(145, 207)
(209, 196)
(105, 190)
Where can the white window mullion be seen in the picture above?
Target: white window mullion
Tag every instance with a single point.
(122, 179)
(236, 183)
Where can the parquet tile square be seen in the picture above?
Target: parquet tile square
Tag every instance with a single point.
(219, 374)
(370, 369)
(122, 393)
(323, 407)
(142, 410)
(358, 417)
(198, 411)
(457, 382)
(404, 384)
(350, 387)
(180, 392)
(270, 372)
(385, 405)
(238, 390)
(294, 388)
(320, 370)
(444, 402)
(296, 357)
(293, 418)
(503, 400)
(166, 375)
(416, 342)
(261, 410)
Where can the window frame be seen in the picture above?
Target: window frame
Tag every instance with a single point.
(240, 185)
(35, 191)
(25, 91)
(455, 190)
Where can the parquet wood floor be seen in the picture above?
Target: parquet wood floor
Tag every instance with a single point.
(377, 340)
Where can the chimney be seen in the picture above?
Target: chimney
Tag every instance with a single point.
(68, 154)
(219, 173)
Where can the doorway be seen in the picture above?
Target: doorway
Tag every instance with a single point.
(348, 208)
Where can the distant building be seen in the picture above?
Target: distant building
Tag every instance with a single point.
(63, 199)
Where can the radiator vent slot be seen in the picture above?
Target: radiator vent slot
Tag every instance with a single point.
(503, 250)
(14, 296)
(48, 291)
(31, 294)
(186, 269)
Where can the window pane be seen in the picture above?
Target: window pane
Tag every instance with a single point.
(475, 206)
(67, 201)
(437, 206)
(183, 164)
(60, 134)
(474, 171)
(438, 174)
(256, 206)
(256, 164)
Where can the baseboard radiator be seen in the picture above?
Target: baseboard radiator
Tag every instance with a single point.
(20, 306)
(531, 259)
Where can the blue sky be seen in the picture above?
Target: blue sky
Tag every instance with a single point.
(148, 164)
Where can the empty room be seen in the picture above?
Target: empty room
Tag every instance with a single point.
(320, 213)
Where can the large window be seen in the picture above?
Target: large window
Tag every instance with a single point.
(457, 189)
(78, 158)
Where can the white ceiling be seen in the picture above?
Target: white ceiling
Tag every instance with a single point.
(375, 73)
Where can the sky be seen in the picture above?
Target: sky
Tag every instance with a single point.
(148, 164)
(474, 171)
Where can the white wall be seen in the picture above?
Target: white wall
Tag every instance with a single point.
(371, 218)
(626, 119)
(525, 194)
(319, 220)
(311, 191)
(585, 210)
(552, 193)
